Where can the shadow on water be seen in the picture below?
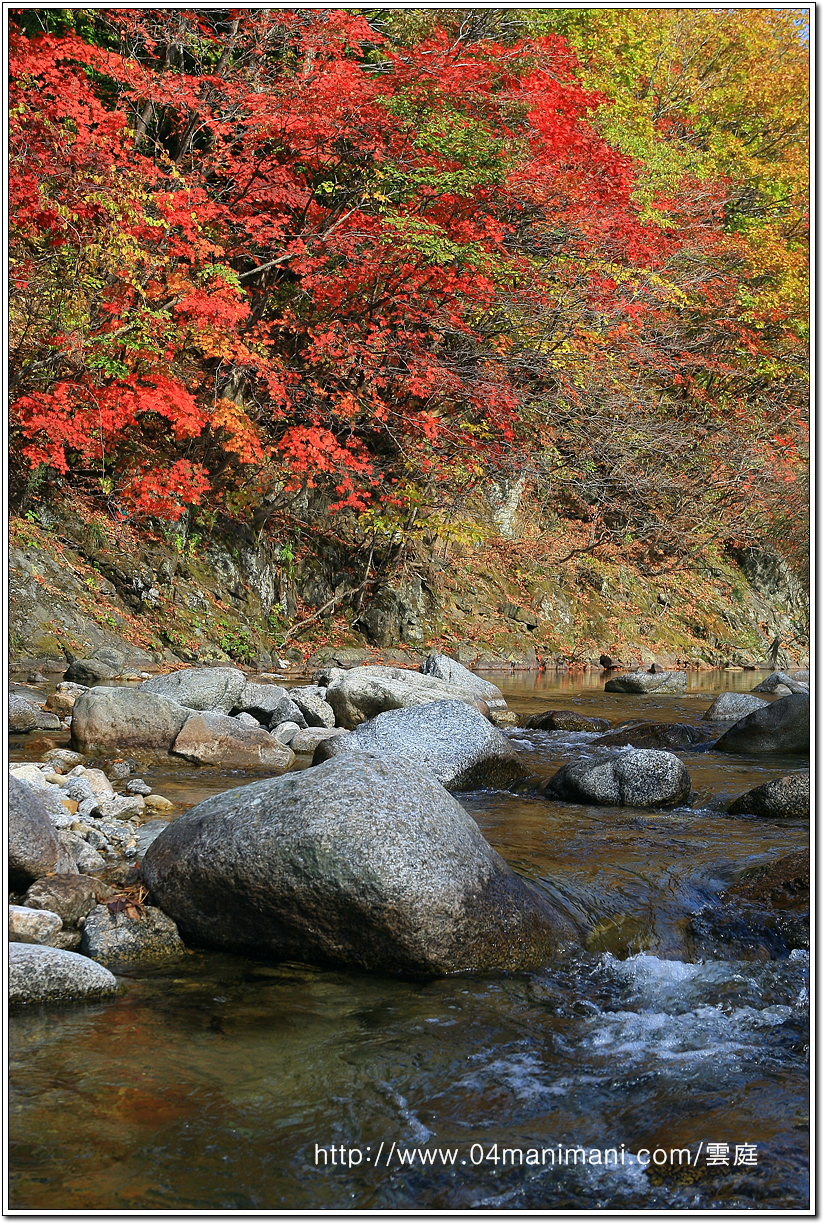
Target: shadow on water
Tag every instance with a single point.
(212, 1083)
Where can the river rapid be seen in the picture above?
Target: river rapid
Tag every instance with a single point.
(674, 1041)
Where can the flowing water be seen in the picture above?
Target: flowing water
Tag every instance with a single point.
(662, 1066)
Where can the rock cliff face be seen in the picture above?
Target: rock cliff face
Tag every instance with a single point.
(76, 588)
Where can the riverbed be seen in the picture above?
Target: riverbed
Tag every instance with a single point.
(222, 1083)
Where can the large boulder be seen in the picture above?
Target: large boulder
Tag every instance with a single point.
(34, 848)
(782, 726)
(364, 692)
(92, 671)
(779, 682)
(783, 797)
(451, 672)
(355, 862)
(106, 719)
(52, 975)
(201, 688)
(636, 777)
(448, 739)
(216, 739)
(729, 707)
(564, 720)
(646, 682)
(656, 735)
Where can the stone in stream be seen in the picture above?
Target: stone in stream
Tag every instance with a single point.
(22, 715)
(287, 711)
(781, 726)
(729, 707)
(216, 739)
(779, 682)
(71, 896)
(39, 974)
(202, 688)
(33, 846)
(129, 933)
(656, 735)
(564, 720)
(306, 739)
(451, 672)
(643, 682)
(259, 700)
(315, 709)
(93, 671)
(358, 861)
(783, 797)
(635, 777)
(32, 926)
(448, 739)
(364, 692)
(120, 718)
(62, 760)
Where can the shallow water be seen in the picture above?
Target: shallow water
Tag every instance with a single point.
(209, 1083)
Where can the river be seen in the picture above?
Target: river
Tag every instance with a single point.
(676, 1045)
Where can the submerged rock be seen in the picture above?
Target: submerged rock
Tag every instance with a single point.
(729, 707)
(201, 688)
(656, 735)
(636, 777)
(39, 974)
(782, 726)
(644, 682)
(449, 739)
(355, 862)
(783, 797)
(564, 720)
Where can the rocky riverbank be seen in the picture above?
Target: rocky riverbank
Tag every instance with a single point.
(314, 863)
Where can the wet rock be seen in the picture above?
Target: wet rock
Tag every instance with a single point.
(782, 726)
(105, 719)
(22, 715)
(216, 739)
(43, 975)
(355, 862)
(260, 700)
(33, 845)
(93, 671)
(32, 926)
(364, 692)
(307, 739)
(766, 913)
(729, 707)
(157, 803)
(441, 667)
(287, 711)
(783, 797)
(636, 777)
(129, 933)
(69, 895)
(564, 720)
(217, 689)
(779, 682)
(643, 682)
(656, 735)
(315, 709)
(448, 739)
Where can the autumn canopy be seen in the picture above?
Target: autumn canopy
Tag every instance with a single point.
(392, 256)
